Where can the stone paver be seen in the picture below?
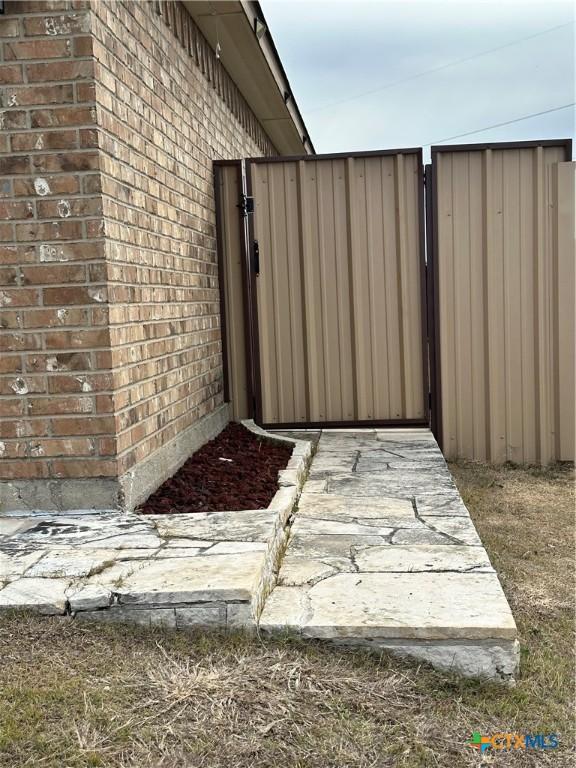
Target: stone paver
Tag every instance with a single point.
(383, 553)
(379, 551)
(202, 570)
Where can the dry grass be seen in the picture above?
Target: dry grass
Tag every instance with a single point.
(72, 694)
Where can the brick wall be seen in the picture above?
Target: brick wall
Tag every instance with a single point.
(112, 113)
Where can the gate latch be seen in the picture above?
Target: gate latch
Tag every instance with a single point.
(256, 257)
(246, 205)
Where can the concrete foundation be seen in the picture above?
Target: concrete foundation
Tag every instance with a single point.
(123, 493)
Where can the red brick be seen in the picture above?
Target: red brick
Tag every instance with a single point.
(85, 206)
(54, 318)
(9, 27)
(53, 230)
(20, 210)
(45, 406)
(17, 254)
(58, 361)
(8, 276)
(13, 118)
(90, 425)
(66, 295)
(44, 140)
(10, 364)
(31, 95)
(49, 118)
(89, 137)
(47, 274)
(38, 6)
(14, 164)
(6, 232)
(11, 74)
(90, 468)
(22, 428)
(11, 406)
(58, 185)
(37, 49)
(79, 383)
(55, 71)
(14, 470)
(18, 297)
(83, 339)
(85, 92)
(83, 46)
(56, 25)
(70, 446)
(70, 162)
(20, 342)
(22, 385)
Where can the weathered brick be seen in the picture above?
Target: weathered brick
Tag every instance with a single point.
(58, 361)
(14, 164)
(9, 27)
(46, 406)
(10, 74)
(119, 337)
(53, 71)
(82, 339)
(53, 273)
(70, 162)
(22, 428)
(13, 118)
(10, 364)
(30, 95)
(64, 295)
(53, 230)
(35, 142)
(53, 209)
(47, 118)
(56, 25)
(38, 49)
(71, 446)
(14, 470)
(19, 210)
(18, 297)
(49, 185)
(93, 468)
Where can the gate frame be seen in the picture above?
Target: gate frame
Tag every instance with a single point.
(254, 349)
(242, 229)
(432, 240)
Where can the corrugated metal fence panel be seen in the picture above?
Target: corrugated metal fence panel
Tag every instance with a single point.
(339, 289)
(228, 182)
(505, 252)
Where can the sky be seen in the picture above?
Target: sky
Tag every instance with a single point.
(344, 59)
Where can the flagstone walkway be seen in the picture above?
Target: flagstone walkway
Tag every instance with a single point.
(378, 550)
(383, 552)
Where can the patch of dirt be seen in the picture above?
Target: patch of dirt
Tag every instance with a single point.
(235, 471)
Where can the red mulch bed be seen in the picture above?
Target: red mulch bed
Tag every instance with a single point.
(207, 483)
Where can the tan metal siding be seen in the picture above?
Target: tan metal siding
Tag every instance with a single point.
(505, 251)
(229, 189)
(338, 294)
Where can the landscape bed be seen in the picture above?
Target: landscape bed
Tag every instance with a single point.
(237, 470)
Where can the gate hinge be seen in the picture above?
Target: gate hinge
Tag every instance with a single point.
(246, 205)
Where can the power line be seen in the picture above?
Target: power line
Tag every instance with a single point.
(499, 125)
(438, 69)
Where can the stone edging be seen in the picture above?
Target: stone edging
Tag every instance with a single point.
(290, 482)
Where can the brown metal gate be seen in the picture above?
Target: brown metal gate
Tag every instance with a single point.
(338, 281)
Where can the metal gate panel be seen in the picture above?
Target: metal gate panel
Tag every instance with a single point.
(504, 273)
(340, 289)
